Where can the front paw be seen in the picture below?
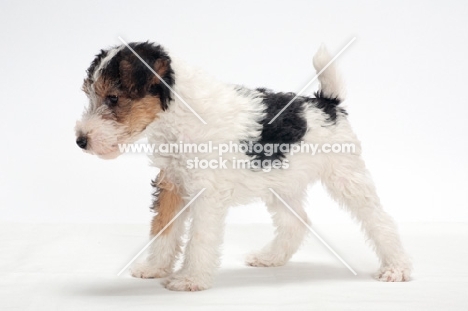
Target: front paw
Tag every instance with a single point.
(186, 282)
(394, 274)
(146, 270)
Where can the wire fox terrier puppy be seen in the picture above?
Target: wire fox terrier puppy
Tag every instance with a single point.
(139, 90)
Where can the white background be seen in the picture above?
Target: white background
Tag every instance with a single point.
(405, 73)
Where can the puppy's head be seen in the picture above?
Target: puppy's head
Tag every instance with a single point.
(125, 96)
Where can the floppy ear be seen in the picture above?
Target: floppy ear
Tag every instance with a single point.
(160, 88)
(138, 80)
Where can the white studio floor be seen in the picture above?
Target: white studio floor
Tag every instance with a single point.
(74, 267)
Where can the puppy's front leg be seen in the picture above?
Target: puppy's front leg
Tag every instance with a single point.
(165, 248)
(202, 255)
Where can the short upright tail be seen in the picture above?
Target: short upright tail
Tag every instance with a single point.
(331, 84)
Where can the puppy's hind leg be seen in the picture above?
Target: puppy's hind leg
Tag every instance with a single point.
(350, 184)
(165, 249)
(289, 231)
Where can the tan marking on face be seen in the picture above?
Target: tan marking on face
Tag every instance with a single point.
(136, 115)
(125, 120)
(104, 87)
(168, 205)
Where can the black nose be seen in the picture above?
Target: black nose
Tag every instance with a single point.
(82, 142)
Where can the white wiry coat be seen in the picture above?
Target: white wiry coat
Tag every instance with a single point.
(232, 115)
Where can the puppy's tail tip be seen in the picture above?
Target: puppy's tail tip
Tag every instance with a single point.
(331, 83)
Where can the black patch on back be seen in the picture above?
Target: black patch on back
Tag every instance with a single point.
(328, 105)
(288, 128)
(291, 125)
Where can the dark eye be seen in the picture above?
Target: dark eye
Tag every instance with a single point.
(112, 100)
